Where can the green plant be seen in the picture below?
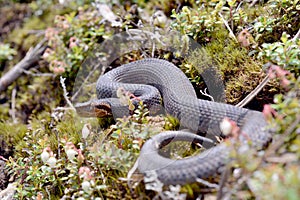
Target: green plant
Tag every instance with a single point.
(70, 41)
(56, 164)
(282, 179)
(278, 17)
(6, 53)
(272, 173)
(285, 53)
(198, 26)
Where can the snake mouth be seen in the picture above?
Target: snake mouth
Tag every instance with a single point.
(102, 110)
(94, 109)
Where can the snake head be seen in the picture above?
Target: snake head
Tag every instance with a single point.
(94, 108)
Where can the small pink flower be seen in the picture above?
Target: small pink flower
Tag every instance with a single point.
(285, 83)
(276, 71)
(61, 22)
(279, 71)
(65, 25)
(71, 151)
(47, 53)
(268, 111)
(271, 74)
(70, 145)
(58, 67)
(73, 42)
(50, 33)
(58, 70)
(85, 173)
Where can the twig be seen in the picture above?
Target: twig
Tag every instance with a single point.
(32, 56)
(130, 173)
(273, 147)
(227, 26)
(62, 82)
(36, 32)
(253, 3)
(13, 105)
(208, 184)
(28, 72)
(135, 38)
(108, 14)
(9, 192)
(62, 109)
(223, 181)
(294, 39)
(2, 158)
(296, 36)
(207, 95)
(252, 94)
(84, 81)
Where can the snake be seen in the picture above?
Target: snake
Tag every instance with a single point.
(159, 82)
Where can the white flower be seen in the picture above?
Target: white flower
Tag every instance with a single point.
(51, 162)
(45, 156)
(86, 186)
(71, 153)
(85, 131)
(226, 126)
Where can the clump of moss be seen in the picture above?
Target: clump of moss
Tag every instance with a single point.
(10, 135)
(240, 72)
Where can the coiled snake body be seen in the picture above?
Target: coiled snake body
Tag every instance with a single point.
(151, 79)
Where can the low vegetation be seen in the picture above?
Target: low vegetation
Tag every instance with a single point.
(52, 153)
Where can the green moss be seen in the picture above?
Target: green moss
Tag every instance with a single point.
(22, 36)
(10, 135)
(240, 72)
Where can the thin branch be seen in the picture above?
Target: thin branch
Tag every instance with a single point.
(84, 81)
(62, 82)
(222, 183)
(13, 105)
(207, 95)
(131, 172)
(253, 3)
(273, 147)
(227, 26)
(296, 36)
(62, 109)
(36, 32)
(32, 56)
(252, 94)
(29, 72)
(206, 183)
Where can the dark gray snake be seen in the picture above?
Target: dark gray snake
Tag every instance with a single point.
(151, 79)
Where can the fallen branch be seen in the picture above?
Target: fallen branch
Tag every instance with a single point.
(250, 96)
(32, 56)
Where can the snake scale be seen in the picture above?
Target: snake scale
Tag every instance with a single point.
(152, 79)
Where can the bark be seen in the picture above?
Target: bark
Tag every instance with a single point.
(31, 58)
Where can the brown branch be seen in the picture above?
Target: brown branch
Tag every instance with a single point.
(32, 57)
(252, 94)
